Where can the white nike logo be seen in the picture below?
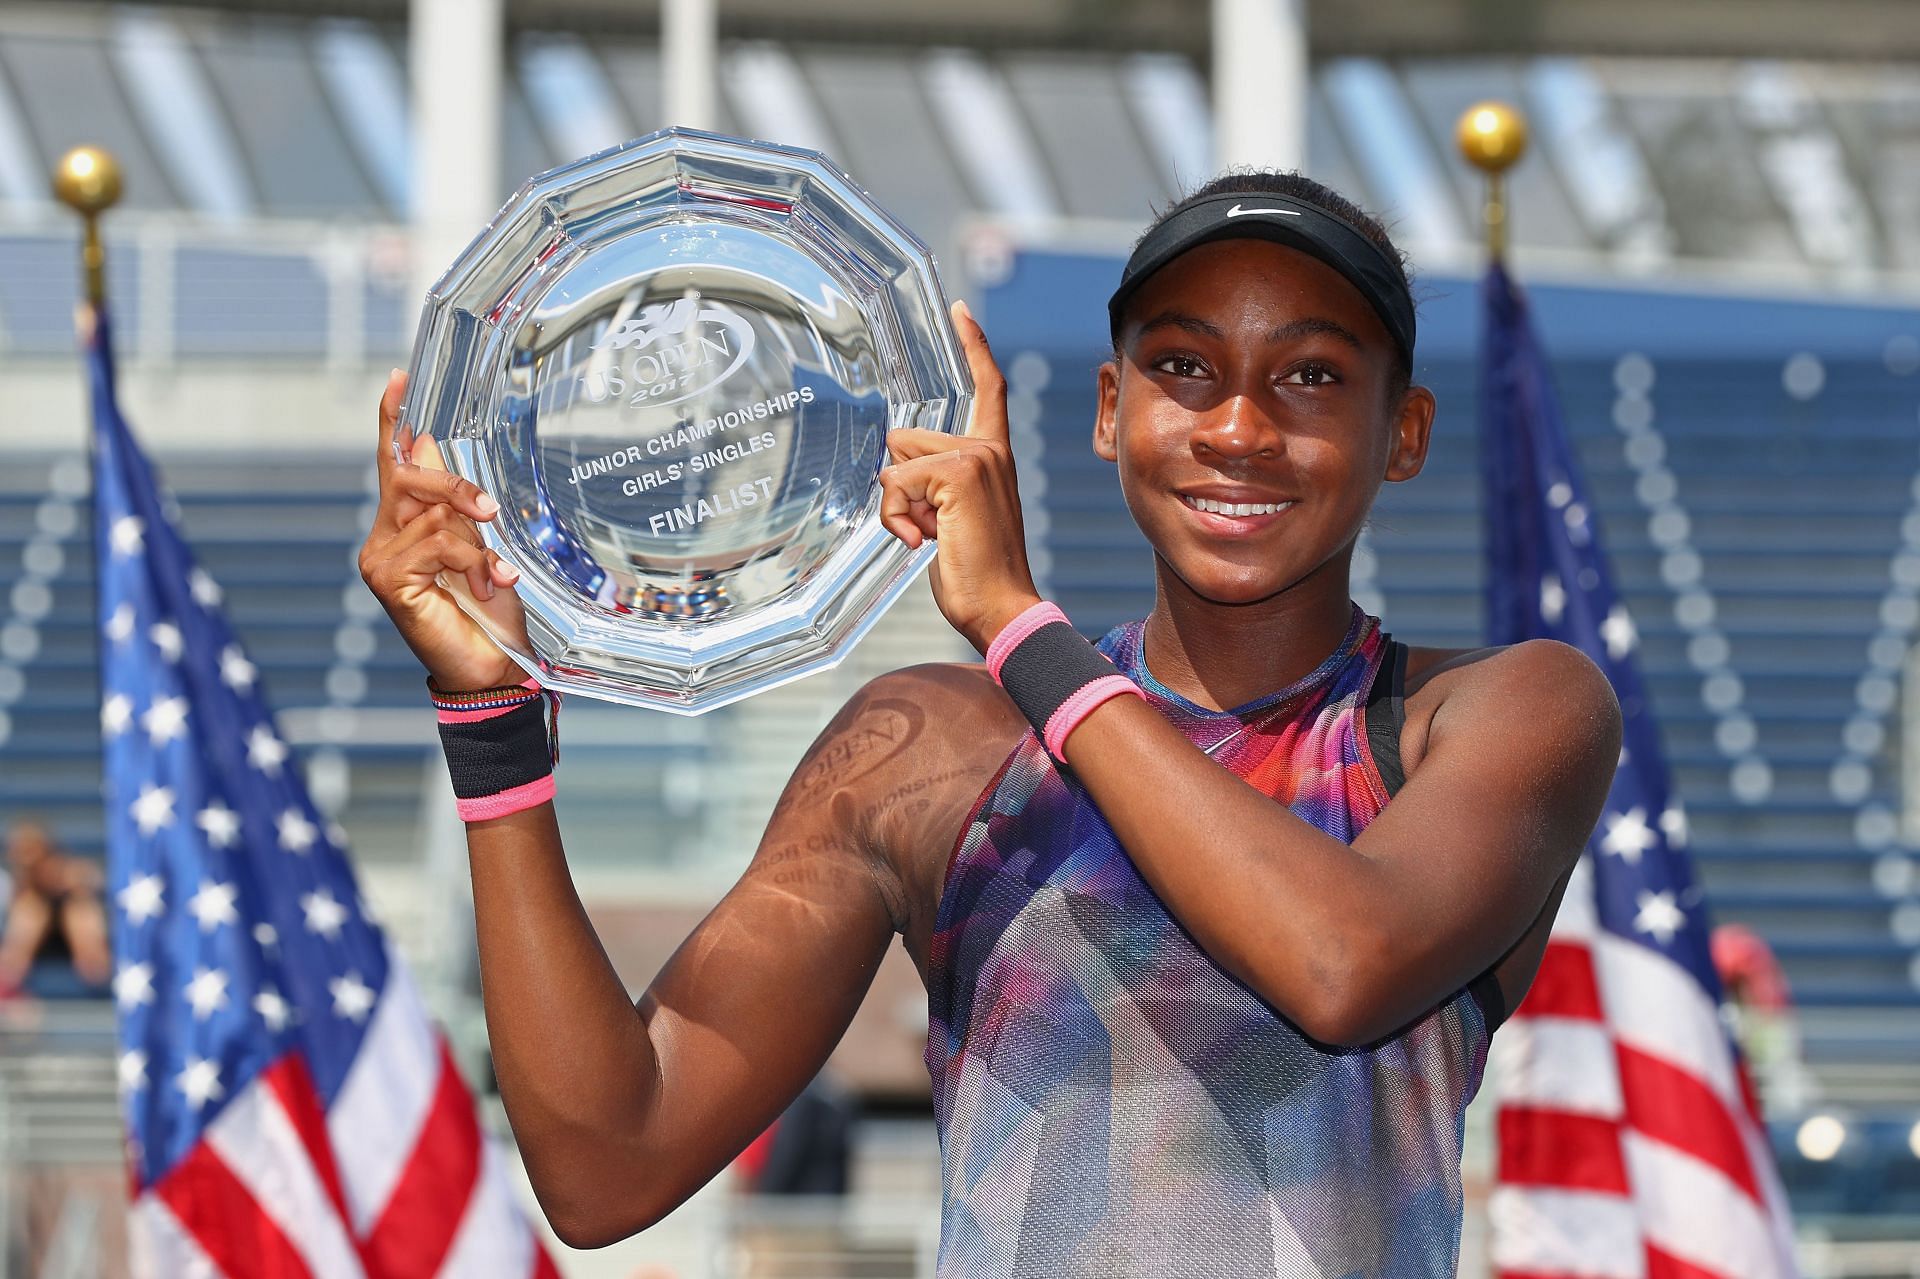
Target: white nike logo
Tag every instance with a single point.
(1238, 212)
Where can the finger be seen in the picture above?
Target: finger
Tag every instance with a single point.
(989, 420)
(441, 519)
(385, 456)
(419, 554)
(913, 441)
(911, 494)
(412, 489)
(445, 551)
(896, 517)
(901, 498)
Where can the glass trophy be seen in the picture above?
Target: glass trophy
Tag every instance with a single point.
(675, 364)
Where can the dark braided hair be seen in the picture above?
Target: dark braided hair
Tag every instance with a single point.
(1297, 186)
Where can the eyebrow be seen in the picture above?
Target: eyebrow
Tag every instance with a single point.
(1181, 320)
(1314, 326)
(1308, 326)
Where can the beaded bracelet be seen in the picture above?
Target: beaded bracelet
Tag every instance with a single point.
(1053, 674)
(500, 747)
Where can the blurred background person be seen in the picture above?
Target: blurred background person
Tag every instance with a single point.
(54, 941)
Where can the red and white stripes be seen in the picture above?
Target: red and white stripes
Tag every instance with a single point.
(1629, 1144)
(396, 1181)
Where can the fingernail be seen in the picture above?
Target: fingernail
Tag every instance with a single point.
(964, 309)
(394, 373)
(486, 504)
(508, 571)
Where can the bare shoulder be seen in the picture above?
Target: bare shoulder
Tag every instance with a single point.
(1542, 682)
(897, 771)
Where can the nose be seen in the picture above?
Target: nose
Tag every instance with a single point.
(1236, 429)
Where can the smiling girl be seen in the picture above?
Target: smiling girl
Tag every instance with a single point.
(1216, 917)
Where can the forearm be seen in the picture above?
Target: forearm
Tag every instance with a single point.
(1298, 915)
(573, 1058)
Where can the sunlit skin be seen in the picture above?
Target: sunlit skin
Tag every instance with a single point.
(1246, 372)
(1254, 373)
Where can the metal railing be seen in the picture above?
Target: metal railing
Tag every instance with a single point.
(337, 294)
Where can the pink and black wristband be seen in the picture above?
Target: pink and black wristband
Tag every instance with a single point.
(501, 747)
(1052, 674)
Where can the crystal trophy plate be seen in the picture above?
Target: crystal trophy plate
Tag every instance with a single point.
(675, 364)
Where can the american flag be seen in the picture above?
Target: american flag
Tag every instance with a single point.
(290, 1109)
(1630, 1145)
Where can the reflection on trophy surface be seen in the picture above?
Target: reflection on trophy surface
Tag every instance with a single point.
(675, 365)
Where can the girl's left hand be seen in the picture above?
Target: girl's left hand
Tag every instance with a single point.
(960, 491)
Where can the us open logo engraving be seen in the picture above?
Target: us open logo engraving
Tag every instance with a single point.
(668, 352)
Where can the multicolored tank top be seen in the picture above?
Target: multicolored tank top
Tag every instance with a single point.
(1112, 1103)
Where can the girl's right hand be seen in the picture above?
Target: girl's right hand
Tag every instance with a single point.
(426, 527)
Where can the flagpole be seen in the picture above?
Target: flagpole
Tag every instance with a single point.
(1493, 136)
(87, 180)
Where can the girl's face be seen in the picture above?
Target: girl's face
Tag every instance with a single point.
(1251, 413)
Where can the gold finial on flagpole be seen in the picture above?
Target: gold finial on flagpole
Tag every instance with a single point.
(1493, 137)
(87, 180)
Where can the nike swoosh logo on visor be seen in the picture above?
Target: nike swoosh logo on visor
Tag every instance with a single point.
(1237, 211)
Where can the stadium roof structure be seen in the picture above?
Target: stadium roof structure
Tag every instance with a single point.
(1834, 29)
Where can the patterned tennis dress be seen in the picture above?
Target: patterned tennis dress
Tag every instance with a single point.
(1112, 1103)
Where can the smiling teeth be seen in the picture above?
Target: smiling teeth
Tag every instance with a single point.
(1234, 508)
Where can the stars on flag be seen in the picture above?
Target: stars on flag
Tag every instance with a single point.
(200, 1081)
(1618, 632)
(1673, 824)
(296, 832)
(265, 751)
(236, 672)
(154, 809)
(1553, 600)
(127, 535)
(352, 998)
(206, 591)
(220, 824)
(116, 715)
(207, 992)
(143, 898)
(273, 1010)
(1628, 834)
(1660, 916)
(166, 637)
(133, 985)
(213, 906)
(325, 916)
(1578, 530)
(165, 720)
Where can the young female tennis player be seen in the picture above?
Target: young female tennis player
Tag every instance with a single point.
(1215, 918)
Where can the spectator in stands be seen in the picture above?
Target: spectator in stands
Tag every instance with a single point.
(807, 1149)
(54, 942)
(1764, 1023)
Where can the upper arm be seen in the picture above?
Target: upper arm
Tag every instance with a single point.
(749, 1007)
(754, 1001)
(1519, 757)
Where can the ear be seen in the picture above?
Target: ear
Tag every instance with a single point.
(1105, 441)
(1412, 432)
